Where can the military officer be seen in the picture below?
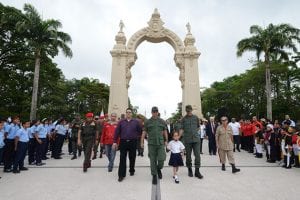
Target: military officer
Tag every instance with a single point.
(155, 128)
(74, 138)
(189, 131)
(87, 135)
(224, 141)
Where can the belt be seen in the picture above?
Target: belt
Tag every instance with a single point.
(128, 140)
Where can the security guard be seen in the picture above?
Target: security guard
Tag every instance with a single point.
(87, 135)
(189, 130)
(224, 141)
(76, 123)
(155, 128)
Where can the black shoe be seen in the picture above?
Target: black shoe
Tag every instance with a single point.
(271, 161)
(142, 154)
(40, 164)
(234, 169)
(131, 173)
(159, 174)
(23, 169)
(74, 157)
(7, 170)
(94, 157)
(45, 158)
(15, 171)
(198, 174)
(79, 153)
(154, 180)
(109, 169)
(120, 179)
(223, 167)
(57, 158)
(100, 155)
(238, 150)
(32, 163)
(190, 172)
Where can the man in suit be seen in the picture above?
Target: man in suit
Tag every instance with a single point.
(211, 128)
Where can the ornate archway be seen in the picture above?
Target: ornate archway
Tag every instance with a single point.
(124, 56)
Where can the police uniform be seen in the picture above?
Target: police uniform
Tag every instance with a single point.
(21, 149)
(31, 145)
(224, 139)
(60, 135)
(41, 134)
(190, 126)
(88, 135)
(156, 144)
(9, 154)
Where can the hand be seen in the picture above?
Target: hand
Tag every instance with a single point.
(142, 145)
(101, 145)
(115, 146)
(16, 149)
(79, 142)
(40, 141)
(166, 143)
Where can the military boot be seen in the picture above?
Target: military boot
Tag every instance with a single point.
(89, 164)
(159, 174)
(154, 180)
(234, 169)
(84, 167)
(223, 167)
(198, 174)
(190, 172)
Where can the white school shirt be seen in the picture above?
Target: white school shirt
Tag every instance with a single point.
(235, 128)
(175, 146)
(202, 131)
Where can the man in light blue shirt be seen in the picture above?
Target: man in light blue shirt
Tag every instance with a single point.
(21, 145)
(40, 136)
(32, 143)
(2, 144)
(60, 134)
(9, 135)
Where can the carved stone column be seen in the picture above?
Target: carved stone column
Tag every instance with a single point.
(190, 82)
(118, 96)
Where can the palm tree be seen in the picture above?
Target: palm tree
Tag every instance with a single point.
(43, 39)
(273, 40)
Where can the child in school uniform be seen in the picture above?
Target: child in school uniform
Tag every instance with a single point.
(176, 147)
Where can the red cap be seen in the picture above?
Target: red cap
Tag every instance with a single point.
(89, 115)
(101, 117)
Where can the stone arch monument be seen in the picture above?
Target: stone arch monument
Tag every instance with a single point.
(124, 56)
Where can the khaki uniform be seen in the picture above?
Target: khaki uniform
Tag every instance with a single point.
(225, 144)
(88, 136)
(156, 144)
(190, 126)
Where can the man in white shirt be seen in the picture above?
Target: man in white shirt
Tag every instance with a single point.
(236, 129)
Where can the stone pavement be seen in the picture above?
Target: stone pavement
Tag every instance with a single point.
(64, 179)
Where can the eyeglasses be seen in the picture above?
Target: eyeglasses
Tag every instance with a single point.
(224, 120)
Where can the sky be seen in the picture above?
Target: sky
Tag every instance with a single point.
(217, 25)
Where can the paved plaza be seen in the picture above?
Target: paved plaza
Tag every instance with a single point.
(64, 179)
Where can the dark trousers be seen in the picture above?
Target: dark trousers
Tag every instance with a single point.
(249, 143)
(1, 155)
(70, 149)
(212, 145)
(130, 147)
(8, 154)
(236, 139)
(20, 155)
(57, 146)
(139, 148)
(40, 150)
(46, 147)
(273, 152)
(31, 150)
(201, 144)
(75, 146)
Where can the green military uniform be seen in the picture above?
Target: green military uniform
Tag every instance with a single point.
(76, 123)
(96, 145)
(155, 128)
(88, 136)
(190, 126)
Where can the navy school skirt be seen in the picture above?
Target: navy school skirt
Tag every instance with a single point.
(175, 160)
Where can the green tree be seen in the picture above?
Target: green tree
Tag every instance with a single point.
(272, 40)
(43, 37)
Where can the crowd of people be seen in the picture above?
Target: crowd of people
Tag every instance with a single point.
(279, 141)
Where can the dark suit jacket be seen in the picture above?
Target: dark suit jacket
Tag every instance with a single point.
(210, 134)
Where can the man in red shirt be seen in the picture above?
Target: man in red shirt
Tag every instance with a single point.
(248, 130)
(107, 139)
